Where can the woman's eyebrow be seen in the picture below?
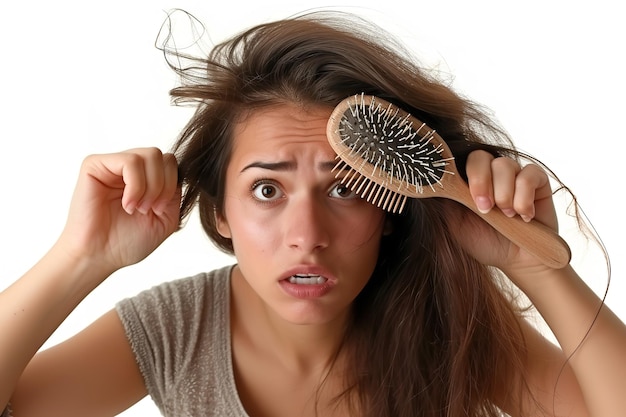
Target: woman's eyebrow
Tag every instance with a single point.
(272, 166)
(285, 166)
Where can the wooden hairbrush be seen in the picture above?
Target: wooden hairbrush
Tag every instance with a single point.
(389, 155)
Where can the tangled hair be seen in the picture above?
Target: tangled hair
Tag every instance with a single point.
(434, 332)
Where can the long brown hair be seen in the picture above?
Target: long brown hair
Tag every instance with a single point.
(434, 333)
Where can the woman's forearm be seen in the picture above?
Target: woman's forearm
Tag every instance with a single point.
(590, 335)
(34, 306)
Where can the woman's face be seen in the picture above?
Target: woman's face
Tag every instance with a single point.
(304, 243)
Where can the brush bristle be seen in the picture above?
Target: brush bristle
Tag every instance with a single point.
(386, 154)
(371, 191)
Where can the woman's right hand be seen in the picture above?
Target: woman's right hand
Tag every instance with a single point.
(124, 206)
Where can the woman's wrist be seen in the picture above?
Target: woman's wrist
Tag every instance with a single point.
(78, 274)
(536, 280)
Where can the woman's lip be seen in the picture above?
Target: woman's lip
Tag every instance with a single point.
(309, 270)
(305, 291)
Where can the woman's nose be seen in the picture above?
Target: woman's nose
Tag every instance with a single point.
(307, 224)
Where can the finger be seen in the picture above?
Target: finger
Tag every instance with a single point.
(479, 178)
(504, 172)
(154, 175)
(531, 184)
(118, 171)
(135, 180)
(170, 186)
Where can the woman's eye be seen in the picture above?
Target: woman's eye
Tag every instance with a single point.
(264, 191)
(340, 190)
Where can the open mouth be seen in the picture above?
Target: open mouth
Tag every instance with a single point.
(307, 279)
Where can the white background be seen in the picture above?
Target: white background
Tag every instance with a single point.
(84, 77)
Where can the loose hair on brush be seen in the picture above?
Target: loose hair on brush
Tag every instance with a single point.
(434, 332)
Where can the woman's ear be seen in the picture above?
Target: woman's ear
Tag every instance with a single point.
(221, 225)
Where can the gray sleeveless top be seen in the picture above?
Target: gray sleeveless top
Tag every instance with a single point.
(180, 334)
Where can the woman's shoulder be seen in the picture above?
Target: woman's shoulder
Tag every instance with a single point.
(188, 288)
(184, 300)
(181, 325)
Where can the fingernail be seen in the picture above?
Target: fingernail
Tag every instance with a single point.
(484, 204)
(130, 208)
(509, 212)
(525, 218)
(159, 207)
(143, 208)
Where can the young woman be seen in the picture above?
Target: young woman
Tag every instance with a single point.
(334, 307)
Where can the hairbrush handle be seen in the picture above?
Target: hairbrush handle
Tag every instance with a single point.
(534, 237)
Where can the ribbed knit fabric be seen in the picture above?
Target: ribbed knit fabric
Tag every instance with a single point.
(180, 333)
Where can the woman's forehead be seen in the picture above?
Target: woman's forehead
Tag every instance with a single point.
(282, 128)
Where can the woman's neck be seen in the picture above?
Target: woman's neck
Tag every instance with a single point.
(298, 347)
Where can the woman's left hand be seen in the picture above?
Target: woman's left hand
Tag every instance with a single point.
(502, 184)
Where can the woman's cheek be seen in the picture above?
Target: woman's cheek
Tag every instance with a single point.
(363, 227)
(252, 223)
